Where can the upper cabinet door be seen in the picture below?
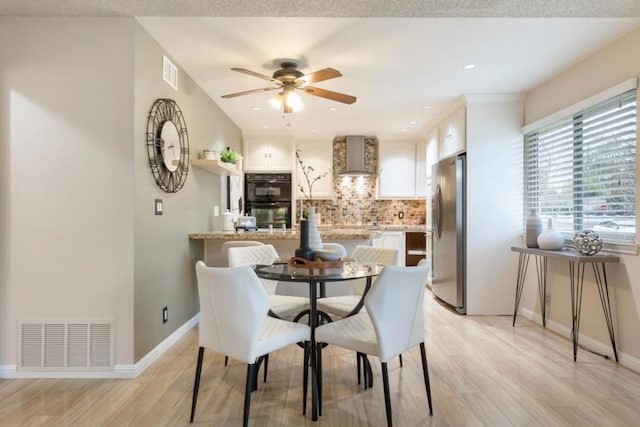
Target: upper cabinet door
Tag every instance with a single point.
(319, 155)
(397, 169)
(268, 154)
(421, 169)
(452, 133)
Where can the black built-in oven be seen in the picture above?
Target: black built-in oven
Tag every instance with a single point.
(268, 198)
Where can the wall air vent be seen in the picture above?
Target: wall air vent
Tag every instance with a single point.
(169, 72)
(65, 344)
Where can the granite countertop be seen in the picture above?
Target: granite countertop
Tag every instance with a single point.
(355, 232)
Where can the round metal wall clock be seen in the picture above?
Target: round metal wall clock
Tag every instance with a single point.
(168, 145)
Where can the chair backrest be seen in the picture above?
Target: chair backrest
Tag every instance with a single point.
(395, 305)
(233, 307)
(252, 255)
(336, 247)
(236, 244)
(371, 255)
(374, 255)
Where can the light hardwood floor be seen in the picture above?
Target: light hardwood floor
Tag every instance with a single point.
(483, 373)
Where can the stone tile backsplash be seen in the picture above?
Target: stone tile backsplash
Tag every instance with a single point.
(355, 202)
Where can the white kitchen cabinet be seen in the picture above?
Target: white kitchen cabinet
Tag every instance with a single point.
(270, 154)
(402, 169)
(452, 134)
(421, 169)
(393, 240)
(319, 155)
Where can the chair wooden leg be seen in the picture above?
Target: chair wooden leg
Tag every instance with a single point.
(247, 393)
(400, 357)
(425, 372)
(359, 365)
(319, 362)
(196, 385)
(266, 367)
(369, 371)
(305, 377)
(387, 397)
(226, 360)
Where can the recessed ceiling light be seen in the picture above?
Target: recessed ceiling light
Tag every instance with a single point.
(332, 108)
(412, 122)
(428, 107)
(265, 126)
(255, 108)
(403, 130)
(469, 66)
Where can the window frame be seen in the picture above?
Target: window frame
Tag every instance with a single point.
(575, 120)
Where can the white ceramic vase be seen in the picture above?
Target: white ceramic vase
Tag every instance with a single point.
(550, 239)
(534, 229)
(315, 242)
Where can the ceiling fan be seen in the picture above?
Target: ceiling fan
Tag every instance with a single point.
(288, 79)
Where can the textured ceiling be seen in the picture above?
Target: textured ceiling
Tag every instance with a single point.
(396, 56)
(324, 8)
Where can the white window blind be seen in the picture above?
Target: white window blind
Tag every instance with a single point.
(581, 170)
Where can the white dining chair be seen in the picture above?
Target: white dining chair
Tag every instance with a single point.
(282, 306)
(225, 255)
(234, 322)
(341, 306)
(236, 244)
(392, 324)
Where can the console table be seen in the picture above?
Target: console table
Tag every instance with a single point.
(577, 264)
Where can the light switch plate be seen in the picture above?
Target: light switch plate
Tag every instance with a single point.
(158, 206)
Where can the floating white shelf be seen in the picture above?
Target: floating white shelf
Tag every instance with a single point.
(217, 167)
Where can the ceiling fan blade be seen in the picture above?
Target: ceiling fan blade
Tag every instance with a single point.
(334, 96)
(247, 92)
(254, 74)
(318, 76)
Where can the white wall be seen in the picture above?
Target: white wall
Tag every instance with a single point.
(164, 256)
(78, 236)
(494, 201)
(67, 122)
(613, 64)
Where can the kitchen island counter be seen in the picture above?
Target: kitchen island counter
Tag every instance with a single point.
(327, 233)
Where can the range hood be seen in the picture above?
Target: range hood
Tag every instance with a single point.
(355, 164)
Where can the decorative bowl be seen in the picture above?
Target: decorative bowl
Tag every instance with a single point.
(328, 255)
(587, 242)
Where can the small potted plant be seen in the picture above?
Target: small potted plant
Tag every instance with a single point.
(229, 156)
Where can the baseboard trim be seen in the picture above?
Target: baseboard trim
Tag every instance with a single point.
(158, 351)
(119, 371)
(624, 359)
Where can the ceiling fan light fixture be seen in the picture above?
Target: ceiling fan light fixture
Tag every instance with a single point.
(276, 101)
(288, 101)
(293, 101)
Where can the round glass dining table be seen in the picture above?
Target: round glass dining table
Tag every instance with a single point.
(318, 282)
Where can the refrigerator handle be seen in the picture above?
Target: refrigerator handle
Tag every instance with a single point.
(437, 212)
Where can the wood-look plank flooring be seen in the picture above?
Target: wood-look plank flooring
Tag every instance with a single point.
(483, 372)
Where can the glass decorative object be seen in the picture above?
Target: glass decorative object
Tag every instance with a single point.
(587, 242)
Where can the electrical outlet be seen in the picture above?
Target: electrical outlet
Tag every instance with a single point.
(165, 315)
(400, 214)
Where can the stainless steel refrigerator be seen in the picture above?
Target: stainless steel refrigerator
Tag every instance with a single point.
(449, 235)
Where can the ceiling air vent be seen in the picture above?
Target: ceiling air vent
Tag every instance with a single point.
(169, 72)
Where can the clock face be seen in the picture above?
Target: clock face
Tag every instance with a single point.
(168, 145)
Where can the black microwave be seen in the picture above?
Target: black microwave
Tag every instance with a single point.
(267, 187)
